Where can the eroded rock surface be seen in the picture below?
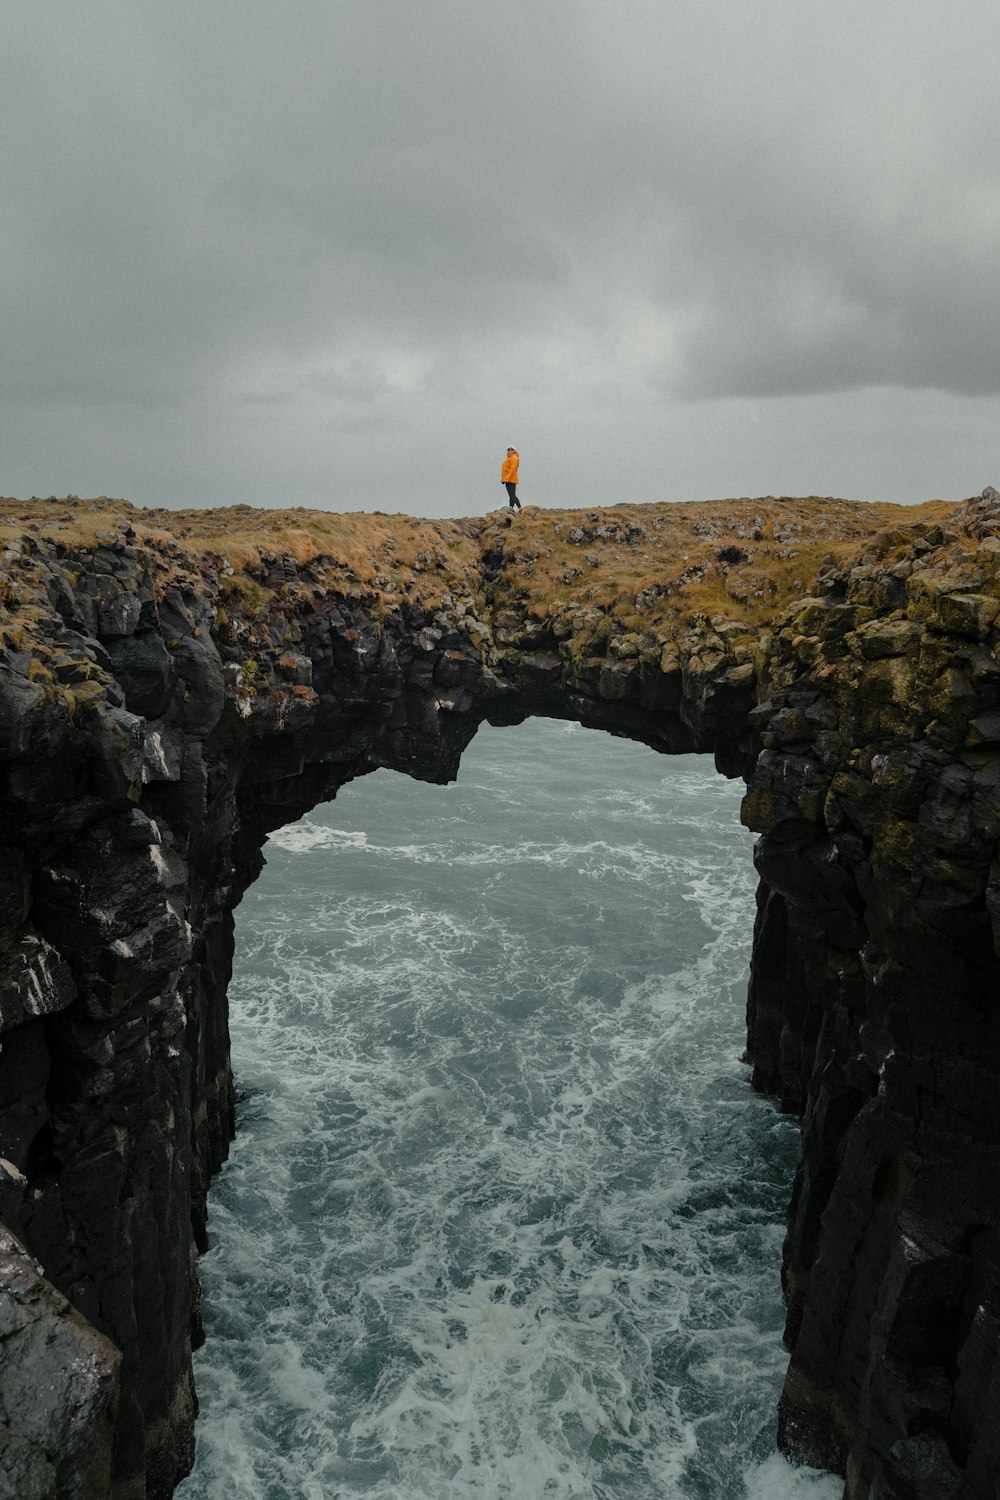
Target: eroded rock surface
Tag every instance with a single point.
(59, 1384)
(163, 708)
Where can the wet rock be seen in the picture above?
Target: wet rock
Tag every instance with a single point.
(58, 1389)
(34, 981)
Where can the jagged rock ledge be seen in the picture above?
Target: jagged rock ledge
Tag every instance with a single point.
(166, 700)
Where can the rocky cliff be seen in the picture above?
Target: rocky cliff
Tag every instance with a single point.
(175, 685)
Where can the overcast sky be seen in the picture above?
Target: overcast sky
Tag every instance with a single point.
(342, 252)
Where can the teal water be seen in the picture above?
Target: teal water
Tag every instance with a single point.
(503, 1218)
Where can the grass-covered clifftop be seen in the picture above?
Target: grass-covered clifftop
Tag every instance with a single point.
(590, 575)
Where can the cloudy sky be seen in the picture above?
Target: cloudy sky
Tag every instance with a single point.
(342, 252)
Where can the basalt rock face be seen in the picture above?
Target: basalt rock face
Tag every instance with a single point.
(875, 1008)
(60, 1388)
(150, 750)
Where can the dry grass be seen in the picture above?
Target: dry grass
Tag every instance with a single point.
(647, 569)
(654, 568)
(384, 555)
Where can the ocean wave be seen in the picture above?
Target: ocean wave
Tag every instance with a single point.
(503, 1218)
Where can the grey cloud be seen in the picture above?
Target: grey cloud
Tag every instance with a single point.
(362, 381)
(399, 231)
(552, 211)
(819, 201)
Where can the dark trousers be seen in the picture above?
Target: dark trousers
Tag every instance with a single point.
(511, 489)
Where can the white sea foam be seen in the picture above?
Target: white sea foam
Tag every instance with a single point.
(777, 1479)
(503, 1219)
(302, 838)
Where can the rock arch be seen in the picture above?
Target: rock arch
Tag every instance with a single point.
(147, 761)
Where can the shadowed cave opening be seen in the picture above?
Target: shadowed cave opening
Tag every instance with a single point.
(503, 1216)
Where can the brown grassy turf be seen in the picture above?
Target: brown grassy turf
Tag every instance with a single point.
(648, 567)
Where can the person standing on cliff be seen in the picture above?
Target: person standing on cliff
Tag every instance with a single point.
(508, 478)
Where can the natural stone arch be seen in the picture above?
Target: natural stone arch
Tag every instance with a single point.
(129, 936)
(145, 766)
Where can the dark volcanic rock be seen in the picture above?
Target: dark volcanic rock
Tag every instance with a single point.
(58, 1389)
(875, 1009)
(147, 751)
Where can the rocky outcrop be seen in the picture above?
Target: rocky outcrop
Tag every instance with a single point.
(161, 712)
(875, 1009)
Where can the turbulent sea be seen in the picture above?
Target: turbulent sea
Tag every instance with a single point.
(503, 1218)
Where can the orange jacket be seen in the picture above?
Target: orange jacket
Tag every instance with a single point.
(508, 474)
